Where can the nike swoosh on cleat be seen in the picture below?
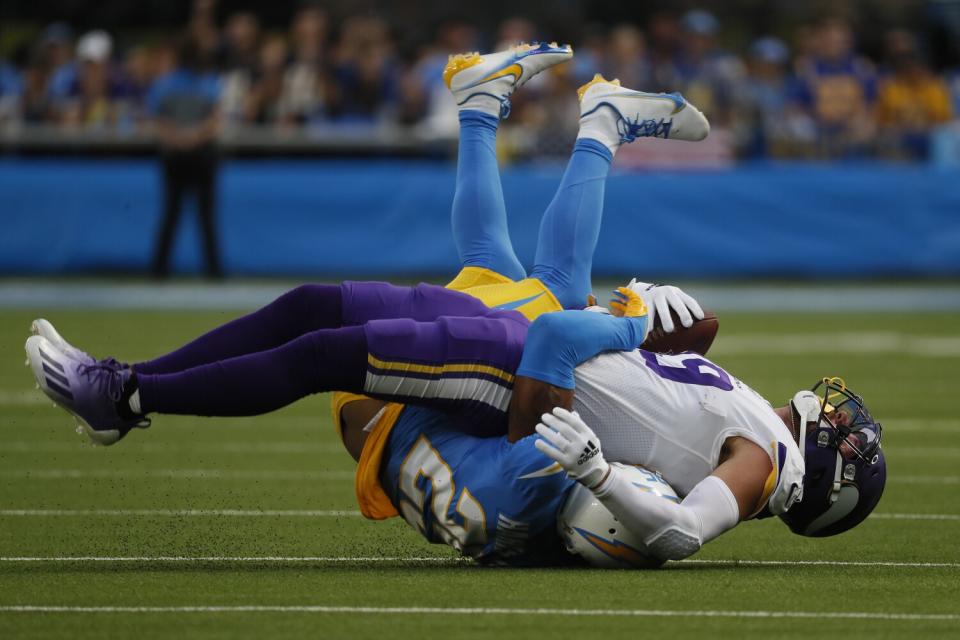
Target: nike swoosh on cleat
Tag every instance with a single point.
(516, 304)
(514, 70)
(678, 103)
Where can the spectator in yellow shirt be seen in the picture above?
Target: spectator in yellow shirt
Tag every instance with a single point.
(912, 100)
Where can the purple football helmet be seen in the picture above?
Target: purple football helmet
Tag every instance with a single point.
(845, 468)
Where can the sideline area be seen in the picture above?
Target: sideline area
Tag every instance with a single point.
(240, 295)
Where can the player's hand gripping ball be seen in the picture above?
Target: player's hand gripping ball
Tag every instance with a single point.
(676, 322)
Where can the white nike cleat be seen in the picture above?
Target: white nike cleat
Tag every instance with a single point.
(486, 82)
(618, 115)
(43, 327)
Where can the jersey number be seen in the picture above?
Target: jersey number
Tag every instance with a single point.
(688, 369)
(461, 528)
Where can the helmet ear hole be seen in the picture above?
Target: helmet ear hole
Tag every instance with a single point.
(612, 531)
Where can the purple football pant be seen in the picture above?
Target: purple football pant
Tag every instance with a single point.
(425, 345)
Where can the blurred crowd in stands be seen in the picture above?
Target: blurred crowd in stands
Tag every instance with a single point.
(810, 94)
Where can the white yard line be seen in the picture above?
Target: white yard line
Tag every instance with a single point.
(281, 447)
(230, 559)
(866, 342)
(915, 516)
(927, 425)
(896, 479)
(449, 560)
(495, 611)
(22, 397)
(831, 563)
(178, 474)
(180, 513)
(309, 513)
(921, 452)
(298, 448)
(290, 474)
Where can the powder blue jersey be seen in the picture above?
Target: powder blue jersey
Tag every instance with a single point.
(493, 501)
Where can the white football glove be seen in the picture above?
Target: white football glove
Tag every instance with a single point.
(568, 441)
(661, 298)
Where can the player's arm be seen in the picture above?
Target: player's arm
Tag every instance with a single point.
(556, 343)
(671, 531)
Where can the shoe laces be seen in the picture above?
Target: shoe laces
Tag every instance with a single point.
(114, 363)
(630, 130)
(106, 376)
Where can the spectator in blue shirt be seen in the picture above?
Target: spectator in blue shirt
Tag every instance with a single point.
(838, 89)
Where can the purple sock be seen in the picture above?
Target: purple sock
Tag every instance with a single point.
(307, 308)
(256, 383)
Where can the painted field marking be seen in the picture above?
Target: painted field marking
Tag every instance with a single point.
(291, 447)
(831, 563)
(308, 513)
(449, 560)
(22, 397)
(298, 447)
(897, 425)
(924, 479)
(285, 474)
(868, 342)
(183, 513)
(915, 516)
(312, 513)
(179, 474)
(473, 611)
(230, 559)
(921, 452)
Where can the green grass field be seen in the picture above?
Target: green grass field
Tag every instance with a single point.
(247, 527)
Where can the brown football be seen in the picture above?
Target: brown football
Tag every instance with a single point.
(697, 337)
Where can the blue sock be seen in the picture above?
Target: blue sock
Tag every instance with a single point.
(571, 225)
(479, 216)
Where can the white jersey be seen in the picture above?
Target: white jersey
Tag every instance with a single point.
(672, 414)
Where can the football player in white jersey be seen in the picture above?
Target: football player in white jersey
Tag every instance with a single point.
(815, 462)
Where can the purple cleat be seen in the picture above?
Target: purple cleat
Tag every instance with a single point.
(91, 390)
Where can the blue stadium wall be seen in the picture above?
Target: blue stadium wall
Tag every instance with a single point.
(361, 217)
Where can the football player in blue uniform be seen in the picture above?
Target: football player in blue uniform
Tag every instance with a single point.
(494, 498)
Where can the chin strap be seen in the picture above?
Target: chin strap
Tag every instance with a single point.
(804, 408)
(837, 476)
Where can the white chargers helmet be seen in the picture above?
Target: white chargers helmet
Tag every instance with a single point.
(590, 531)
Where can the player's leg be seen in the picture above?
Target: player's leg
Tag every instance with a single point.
(479, 215)
(444, 362)
(301, 310)
(571, 225)
(451, 361)
(610, 116)
(482, 86)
